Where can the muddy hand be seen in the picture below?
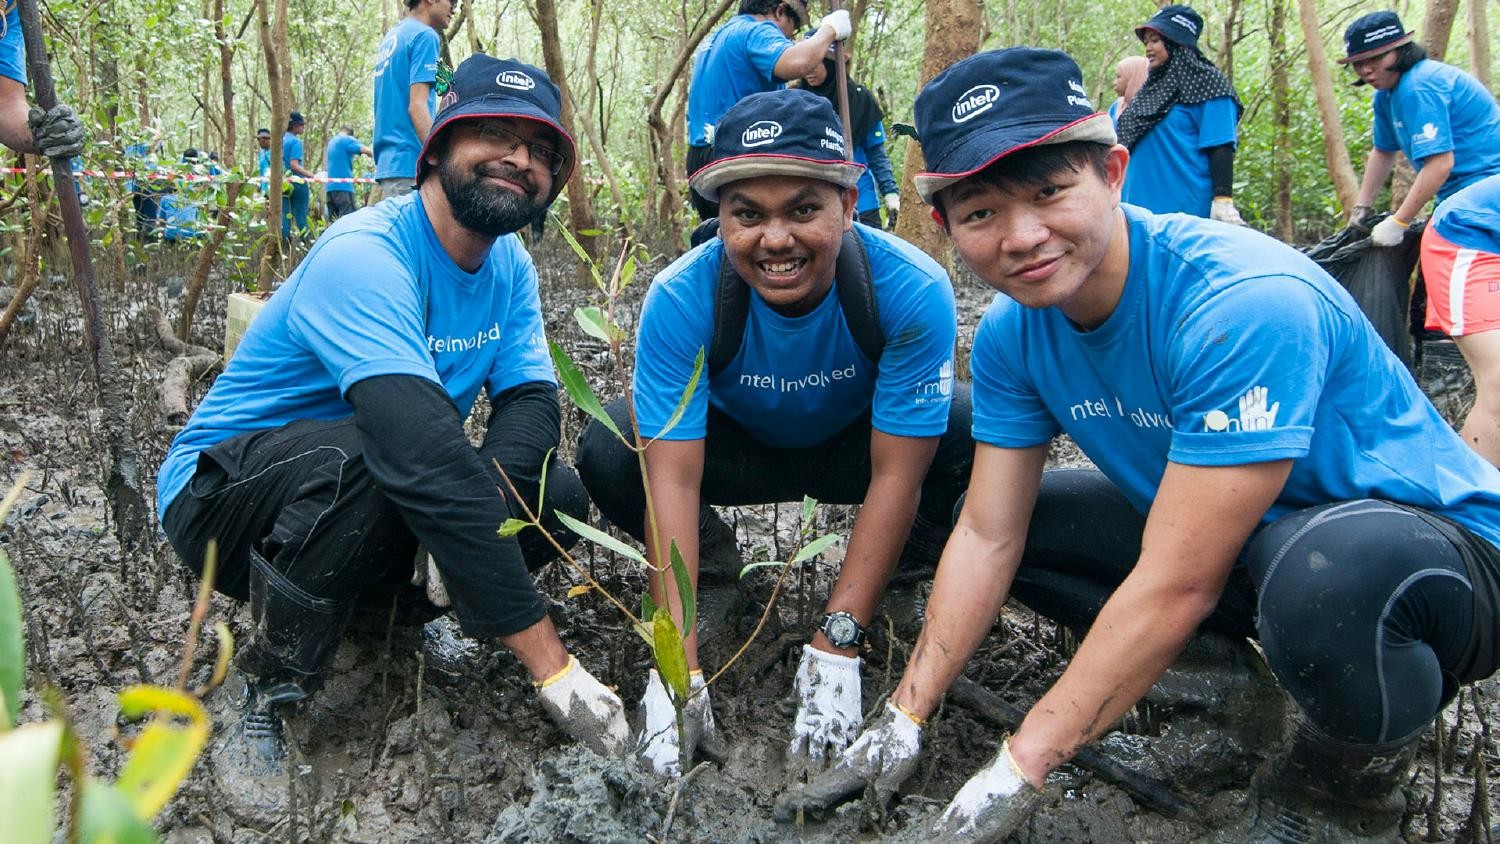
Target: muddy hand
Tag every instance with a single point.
(658, 744)
(56, 132)
(585, 709)
(828, 709)
(883, 756)
(991, 805)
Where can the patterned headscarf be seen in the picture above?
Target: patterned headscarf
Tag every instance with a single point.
(1186, 78)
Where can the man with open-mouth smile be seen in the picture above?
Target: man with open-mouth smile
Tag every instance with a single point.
(828, 350)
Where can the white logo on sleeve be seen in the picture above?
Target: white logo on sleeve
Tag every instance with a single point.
(939, 388)
(1429, 133)
(1254, 415)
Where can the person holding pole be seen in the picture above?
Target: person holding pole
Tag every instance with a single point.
(56, 132)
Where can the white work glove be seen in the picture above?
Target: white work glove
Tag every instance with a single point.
(431, 580)
(893, 202)
(884, 755)
(585, 709)
(828, 708)
(1389, 232)
(839, 20)
(991, 805)
(658, 744)
(57, 132)
(1360, 216)
(1224, 211)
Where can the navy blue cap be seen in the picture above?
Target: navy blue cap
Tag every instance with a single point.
(788, 132)
(295, 119)
(1176, 23)
(1373, 34)
(484, 86)
(992, 104)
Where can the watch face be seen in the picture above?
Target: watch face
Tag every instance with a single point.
(841, 630)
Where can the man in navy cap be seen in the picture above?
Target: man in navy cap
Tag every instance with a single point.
(797, 401)
(1266, 468)
(1442, 119)
(294, 208)
(334, 440)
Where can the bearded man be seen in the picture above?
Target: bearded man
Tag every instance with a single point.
(334, 441)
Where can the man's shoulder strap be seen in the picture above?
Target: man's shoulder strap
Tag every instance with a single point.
(856, 292)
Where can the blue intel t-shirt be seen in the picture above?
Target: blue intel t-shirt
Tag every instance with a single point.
(1437, 108)
(13, 47)
(291, 150)
(408, 55)
(869, 192)
(376, 295)
(1168, 169)
(1209, 363)
(798, 380)
(1470, 218)
(340, 155)
(736, 61)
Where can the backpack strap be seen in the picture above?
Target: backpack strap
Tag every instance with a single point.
(856, 294)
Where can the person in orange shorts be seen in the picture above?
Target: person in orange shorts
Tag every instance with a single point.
(1461, 262)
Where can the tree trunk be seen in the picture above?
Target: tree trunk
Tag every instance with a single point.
(586, 120)
(1281, 115)
(1479, 44)
(1437, 25)
(580, 207)
(953, 29)
(1226, 49)
(1334, 149)
(271, 43)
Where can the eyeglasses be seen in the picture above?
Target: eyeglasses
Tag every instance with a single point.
(797, 21)
(510, 141)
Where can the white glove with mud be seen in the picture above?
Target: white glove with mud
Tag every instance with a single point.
(56, 132)
(1224, 211)
(829, 714)
(1389, 232)
(658, 745)
(841, 23)
(991, 805)
(893, 202)
(883, 756)
(585, 709)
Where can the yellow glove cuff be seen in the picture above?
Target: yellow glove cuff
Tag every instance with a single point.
(1400, 222)
(908, 713)
(566, 669)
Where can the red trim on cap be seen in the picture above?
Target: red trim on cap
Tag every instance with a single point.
(1014, 149)
(718, 161)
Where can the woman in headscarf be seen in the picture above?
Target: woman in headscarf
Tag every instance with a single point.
(1130, 75)
(1181, 127)
(867, 133)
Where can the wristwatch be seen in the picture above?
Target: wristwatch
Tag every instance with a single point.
(842, 630)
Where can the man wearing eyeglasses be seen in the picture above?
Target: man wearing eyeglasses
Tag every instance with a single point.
(752, 53)
(334, 441)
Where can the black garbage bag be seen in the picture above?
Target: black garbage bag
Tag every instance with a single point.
(1378, 278)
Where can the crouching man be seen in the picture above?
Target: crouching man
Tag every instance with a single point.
(334, 440)
(1266, 468)
(829, 373)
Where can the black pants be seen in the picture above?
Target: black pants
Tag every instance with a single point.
(871, 218)
(302, 496)
(738, 469)
(340, 202)
(1370, 613)
(697, 157)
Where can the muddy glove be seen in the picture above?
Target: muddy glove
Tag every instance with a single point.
(585, 709)
(840, 22)
(828, 708)
(57, 132)
(658, 744)
(883, 756)
(991, 805)
(1389, 232)
(1224, 211)
(1360, 217)
(893, 202)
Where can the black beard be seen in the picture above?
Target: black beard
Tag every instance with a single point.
(488, 211)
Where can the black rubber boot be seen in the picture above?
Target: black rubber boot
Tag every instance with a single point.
(1323, 791)
(719, 560)
(293, 638)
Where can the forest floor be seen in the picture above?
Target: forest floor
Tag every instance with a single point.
(423, 735)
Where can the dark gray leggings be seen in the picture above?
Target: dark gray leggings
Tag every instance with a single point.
(1366, 609)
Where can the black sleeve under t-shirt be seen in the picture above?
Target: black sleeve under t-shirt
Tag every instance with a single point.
(415, 447)
(1221, 169)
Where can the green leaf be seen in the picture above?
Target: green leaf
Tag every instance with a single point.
(809, 504)
(687, 396)
(648, 606)
(28, 776)
(541, 493)
(905, 130)
(590, 232)
(815, 547)
(684, 589)
(578, 388)
(599, 537)
(593, 322)
(671, 659)
(747, 569)
(12, 646)
(109, 819)
(583, 254)
(164, 753)
(511, 527)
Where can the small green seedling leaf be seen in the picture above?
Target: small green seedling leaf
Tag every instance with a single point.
(578, 388)
(752, 566)
(599, 537)
(580, 589)
(28, 776)
(593, 322)
(590, 233)
(809, 504)
(108, 817)
(541, 493)
(12, 633)
(684, 589)
(687, 396)
(583, 254)
(511, 527)
(164, 753)
(815, 547)
(648, 606)
(671, 660)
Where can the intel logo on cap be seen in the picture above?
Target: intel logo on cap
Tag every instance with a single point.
(760, 133)
(515, 79)
(975, 101)
(1186, 23)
